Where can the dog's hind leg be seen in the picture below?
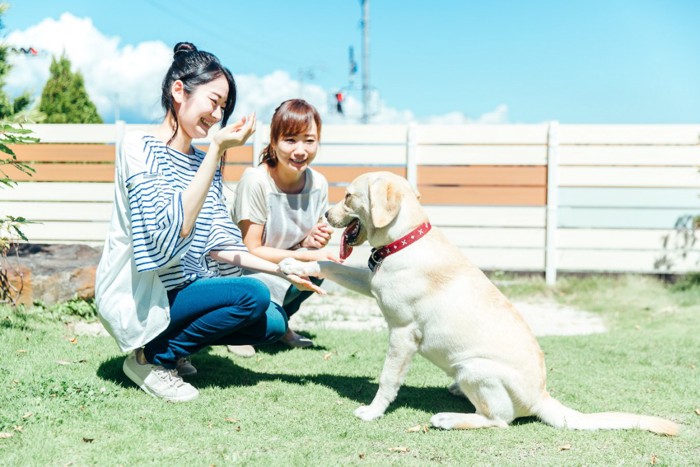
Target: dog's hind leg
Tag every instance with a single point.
(494, 407)
(403, 344)
(464, 421)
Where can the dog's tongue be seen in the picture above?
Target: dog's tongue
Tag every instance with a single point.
(346, 249)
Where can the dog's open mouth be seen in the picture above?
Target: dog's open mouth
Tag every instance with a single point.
(347, 241)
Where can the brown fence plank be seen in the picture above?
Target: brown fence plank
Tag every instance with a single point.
(68, 172)
(233, 172)
(483, 196)
(483, 175)
(64, 152)
(238, 154)
(56, 152)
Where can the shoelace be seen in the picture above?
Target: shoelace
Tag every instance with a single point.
(170, 376)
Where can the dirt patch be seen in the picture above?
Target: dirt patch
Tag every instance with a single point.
(343, 310)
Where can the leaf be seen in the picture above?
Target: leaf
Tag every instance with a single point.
(328, 356)
(231, 420)
(73, 340)
(565, 447)
(18, 428)
(63, 362)
(6, 149)
(697, 411)
(88, 440)
(6, 435)
(27, 415)
(22, 351)
(414, 429)
(654, 459)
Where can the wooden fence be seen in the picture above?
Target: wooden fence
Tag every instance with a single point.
(548, 198)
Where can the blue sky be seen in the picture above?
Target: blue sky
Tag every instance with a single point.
(450, 61)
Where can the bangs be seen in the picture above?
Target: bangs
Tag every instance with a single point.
(296, 123)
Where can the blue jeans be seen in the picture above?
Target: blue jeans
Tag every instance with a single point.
(217, 311)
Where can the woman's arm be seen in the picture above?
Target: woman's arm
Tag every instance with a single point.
(252, 237)
(193, 197)
(246, 260)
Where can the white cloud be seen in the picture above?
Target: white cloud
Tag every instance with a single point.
(131, 76)
(128, 75)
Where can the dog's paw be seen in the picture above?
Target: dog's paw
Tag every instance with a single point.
(444, 420)
(299, 268)
(367, 413)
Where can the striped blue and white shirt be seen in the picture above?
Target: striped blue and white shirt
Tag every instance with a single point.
(157, 176)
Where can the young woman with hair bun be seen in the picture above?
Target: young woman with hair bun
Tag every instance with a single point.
(168, 283)
(279, 206)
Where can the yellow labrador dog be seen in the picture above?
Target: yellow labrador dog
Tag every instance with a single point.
(439, 304)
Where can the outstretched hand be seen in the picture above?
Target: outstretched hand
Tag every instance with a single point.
(235, 134)
(303, 283)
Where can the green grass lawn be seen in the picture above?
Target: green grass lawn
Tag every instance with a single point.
(64, 399)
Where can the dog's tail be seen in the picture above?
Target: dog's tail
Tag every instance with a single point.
(554, 413)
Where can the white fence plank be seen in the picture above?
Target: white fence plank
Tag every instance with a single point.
(486, 216)
(481, 134)
(630, 134)
(622, 218)
(41, 211)
(620, 239)
(49, 191)
(363, 134)
(69, 133)
(661, 156)
(365, 155)
(678, 177)
(77, 232)
(481, 155)
(672, 198)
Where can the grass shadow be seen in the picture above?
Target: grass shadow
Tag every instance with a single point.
(222, 372)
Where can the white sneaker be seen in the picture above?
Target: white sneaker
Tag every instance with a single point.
(245, 351)
(185, 367)
(158, 381)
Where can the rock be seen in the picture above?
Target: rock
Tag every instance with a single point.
(53, 273)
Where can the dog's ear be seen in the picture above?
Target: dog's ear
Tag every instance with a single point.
(384, 202)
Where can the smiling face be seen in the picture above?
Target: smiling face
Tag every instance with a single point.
(295, 153)
(202, 108)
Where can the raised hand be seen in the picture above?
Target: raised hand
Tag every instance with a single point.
(318, 237)
(235, 134)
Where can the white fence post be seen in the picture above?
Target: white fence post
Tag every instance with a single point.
(552, 203)
(411, 156)
(257, 143)
(120, 129)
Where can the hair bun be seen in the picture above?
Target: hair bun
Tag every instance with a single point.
(183, 48)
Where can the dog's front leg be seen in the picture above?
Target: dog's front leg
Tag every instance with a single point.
(403, 344)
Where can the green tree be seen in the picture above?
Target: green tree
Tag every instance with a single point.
(64, 98)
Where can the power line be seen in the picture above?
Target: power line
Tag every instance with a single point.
(212, 31)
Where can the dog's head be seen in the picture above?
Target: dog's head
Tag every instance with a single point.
(374, 203)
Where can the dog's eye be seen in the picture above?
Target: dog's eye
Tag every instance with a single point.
(347, 197)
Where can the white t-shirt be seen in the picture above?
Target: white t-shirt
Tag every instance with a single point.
(287, 218)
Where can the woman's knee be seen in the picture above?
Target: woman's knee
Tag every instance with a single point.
(257, 297)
